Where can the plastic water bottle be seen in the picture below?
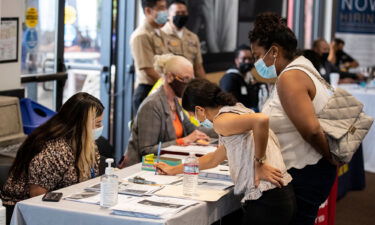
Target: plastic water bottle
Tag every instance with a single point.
(191, 172)
(109, 186)
(2, 214)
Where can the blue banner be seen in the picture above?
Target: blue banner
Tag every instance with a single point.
(356, 16)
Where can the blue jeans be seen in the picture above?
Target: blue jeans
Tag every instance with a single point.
(312, 185)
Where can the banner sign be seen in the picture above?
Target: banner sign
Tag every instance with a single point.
(356, 16)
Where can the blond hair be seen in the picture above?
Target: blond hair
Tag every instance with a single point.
(86, 160)
(168, 62)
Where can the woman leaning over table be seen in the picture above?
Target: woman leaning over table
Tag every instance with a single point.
(292, 108)
(254, 158)
(59, 153)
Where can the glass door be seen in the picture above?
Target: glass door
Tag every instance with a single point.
(87, 49)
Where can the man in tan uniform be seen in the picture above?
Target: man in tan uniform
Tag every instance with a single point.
(182, 41)
(147, 41)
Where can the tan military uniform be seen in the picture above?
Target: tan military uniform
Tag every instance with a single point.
(187, 46)
(145, 43)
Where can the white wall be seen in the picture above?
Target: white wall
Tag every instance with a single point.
(10, 73)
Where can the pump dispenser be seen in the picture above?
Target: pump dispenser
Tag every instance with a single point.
(109, 186)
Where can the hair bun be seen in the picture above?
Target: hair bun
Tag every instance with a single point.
(161, 61)
(224, 98)
(271, 22)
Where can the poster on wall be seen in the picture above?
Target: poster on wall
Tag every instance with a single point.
(355, 24)
(8, 40)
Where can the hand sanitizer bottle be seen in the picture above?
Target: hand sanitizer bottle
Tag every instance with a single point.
(108, 186)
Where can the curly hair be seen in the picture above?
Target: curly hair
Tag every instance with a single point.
(270, 28)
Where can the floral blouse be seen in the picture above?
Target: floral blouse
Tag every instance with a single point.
(53, 168)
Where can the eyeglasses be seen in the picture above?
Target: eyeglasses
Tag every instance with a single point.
(183, 80)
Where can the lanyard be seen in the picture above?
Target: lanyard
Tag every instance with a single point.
(92, 172)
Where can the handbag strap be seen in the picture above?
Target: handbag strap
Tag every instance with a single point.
(315, 73)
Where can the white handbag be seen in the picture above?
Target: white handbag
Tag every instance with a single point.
(342, 120)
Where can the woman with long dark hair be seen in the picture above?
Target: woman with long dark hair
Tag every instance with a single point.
(59, 153)
(293, 106)
(255, 162)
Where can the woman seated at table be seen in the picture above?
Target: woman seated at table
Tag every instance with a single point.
(59, 153)
(255, 162)
(160, 117)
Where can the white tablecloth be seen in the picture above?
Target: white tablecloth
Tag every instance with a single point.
(34, 211)
(367, 97)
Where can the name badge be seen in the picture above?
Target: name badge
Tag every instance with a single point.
(243, 90)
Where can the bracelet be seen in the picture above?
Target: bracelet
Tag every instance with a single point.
(261, 160)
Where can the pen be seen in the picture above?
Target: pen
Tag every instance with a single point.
(158, 157)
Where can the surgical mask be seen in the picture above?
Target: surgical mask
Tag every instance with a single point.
(161, 17)
(178, 87)
(180, 20)
(245, 67)
(97, 132)
(267, 72)
(206, 123)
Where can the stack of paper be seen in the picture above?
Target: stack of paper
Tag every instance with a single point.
(218, 173)
(128, 188)
(94, 198)
(156, 179)
(203, 194)
(197, 149)
(152, 207)
(214, 184)
(85, 197)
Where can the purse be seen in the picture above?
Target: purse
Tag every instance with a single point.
(342, 120)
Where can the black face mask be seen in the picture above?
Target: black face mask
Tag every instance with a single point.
(325, 56)
(180, 20)
(339, 52)
(178, 87)
(245, 67)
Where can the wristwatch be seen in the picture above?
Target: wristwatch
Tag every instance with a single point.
(261, 160)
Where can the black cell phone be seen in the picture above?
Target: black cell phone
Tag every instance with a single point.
(52, 196)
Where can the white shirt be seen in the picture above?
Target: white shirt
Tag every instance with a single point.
(297, 153)
(180, 33)
(240, 153)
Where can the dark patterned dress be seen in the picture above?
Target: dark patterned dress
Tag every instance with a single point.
(53, 168)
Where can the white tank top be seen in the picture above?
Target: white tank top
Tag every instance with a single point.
(297, 153)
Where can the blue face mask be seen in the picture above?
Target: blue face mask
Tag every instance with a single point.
(267, 72)
(97, 132)
(206, 123)
(161, 17)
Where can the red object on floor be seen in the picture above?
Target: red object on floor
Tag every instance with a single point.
(327, 211)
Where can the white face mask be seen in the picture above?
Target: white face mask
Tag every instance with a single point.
(97, 132)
